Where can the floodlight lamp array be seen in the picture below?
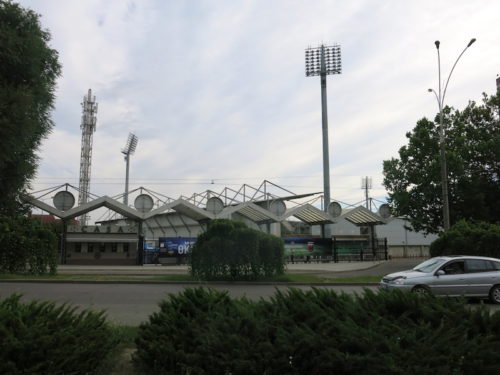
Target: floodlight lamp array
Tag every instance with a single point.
(323, 60)
(129, 148)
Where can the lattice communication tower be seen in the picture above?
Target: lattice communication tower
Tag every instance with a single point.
(88, 126)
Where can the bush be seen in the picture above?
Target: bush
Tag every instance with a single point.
(228, 250)
(202, 331)
(26, 245)
(466, 238)
(41, 338)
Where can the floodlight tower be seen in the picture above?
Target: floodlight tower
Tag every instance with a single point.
(322, 61)
(89, 120)
(128, 150)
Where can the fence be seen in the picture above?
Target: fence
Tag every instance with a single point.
(359, 249)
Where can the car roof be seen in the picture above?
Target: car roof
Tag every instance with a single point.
(450, 257)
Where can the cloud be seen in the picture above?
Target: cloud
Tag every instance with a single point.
(216, 91)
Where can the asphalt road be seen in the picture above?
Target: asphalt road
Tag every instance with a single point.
(131, 304)
(382, 269)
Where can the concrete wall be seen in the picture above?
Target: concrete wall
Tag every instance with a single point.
(401, 242)
(415, 251)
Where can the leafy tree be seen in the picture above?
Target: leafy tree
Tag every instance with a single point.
(465, 238)
(27, 245)
(28, 72)
(230, 250)
(473, 161)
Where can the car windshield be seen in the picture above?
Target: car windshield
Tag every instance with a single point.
(429, 265)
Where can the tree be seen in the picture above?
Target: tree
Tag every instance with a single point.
(229, 250)
(28, 72)
(466, 238)
(473, 160)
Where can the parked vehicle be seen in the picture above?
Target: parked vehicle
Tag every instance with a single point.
(454, 276)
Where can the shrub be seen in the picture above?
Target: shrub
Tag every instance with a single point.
(202, 331)
(26, 245)
(466, 238)
(228, 250)
(42, 338)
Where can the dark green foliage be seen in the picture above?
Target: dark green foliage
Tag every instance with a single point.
(473, 162)
(28, 72)
(203, 331)
(42, 338)
(466, 238)
(228, 250)
(26, 245)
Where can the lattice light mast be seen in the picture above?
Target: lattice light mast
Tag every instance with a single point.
(128, 150)
(322, 61)
(88, 126)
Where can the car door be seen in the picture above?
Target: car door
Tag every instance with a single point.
(453, 281)
(481, 276)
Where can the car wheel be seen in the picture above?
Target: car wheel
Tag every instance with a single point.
(495, 294)
(420, 290)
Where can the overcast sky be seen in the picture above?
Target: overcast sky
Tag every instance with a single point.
(216, 90)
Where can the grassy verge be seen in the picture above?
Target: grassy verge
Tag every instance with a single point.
(289, 277)
(120, 361)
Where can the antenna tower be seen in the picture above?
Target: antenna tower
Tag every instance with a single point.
(366, 184)
(88, 126)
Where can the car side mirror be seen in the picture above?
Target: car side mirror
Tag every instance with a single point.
(440, 273)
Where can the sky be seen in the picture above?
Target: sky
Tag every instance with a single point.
(217, 95)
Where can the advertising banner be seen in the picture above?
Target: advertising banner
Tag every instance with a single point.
(304, 246)
(175, 246)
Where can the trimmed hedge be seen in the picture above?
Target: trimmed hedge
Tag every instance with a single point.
(203, 331)
(228, 250)
(466, 238)
(41, 338)
(26, 245)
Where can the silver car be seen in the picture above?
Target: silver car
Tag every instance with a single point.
(454, 276)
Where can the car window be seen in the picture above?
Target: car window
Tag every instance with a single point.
(479, 265)
(454, 268)
(429, 265)
(496, 265)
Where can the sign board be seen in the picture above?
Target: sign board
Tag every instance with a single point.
(303, 246)
(114, 229)
(150, 245)
(175, 246)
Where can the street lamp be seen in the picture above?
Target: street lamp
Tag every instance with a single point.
(322, 61)
(442, 141)
(128, 150)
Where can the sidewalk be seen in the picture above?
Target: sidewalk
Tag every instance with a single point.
(157, 270)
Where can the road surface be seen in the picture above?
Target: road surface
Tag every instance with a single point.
(131, 304)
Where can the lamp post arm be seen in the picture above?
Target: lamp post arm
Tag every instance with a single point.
(437, 98)
(451, 72)
(440, 102)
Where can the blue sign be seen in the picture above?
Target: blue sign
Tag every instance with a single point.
(176, 246)
(149, 246)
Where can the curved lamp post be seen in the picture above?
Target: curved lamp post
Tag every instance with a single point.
(440, 95)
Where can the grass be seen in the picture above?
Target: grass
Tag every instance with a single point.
(286, 278)
(120, 360)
